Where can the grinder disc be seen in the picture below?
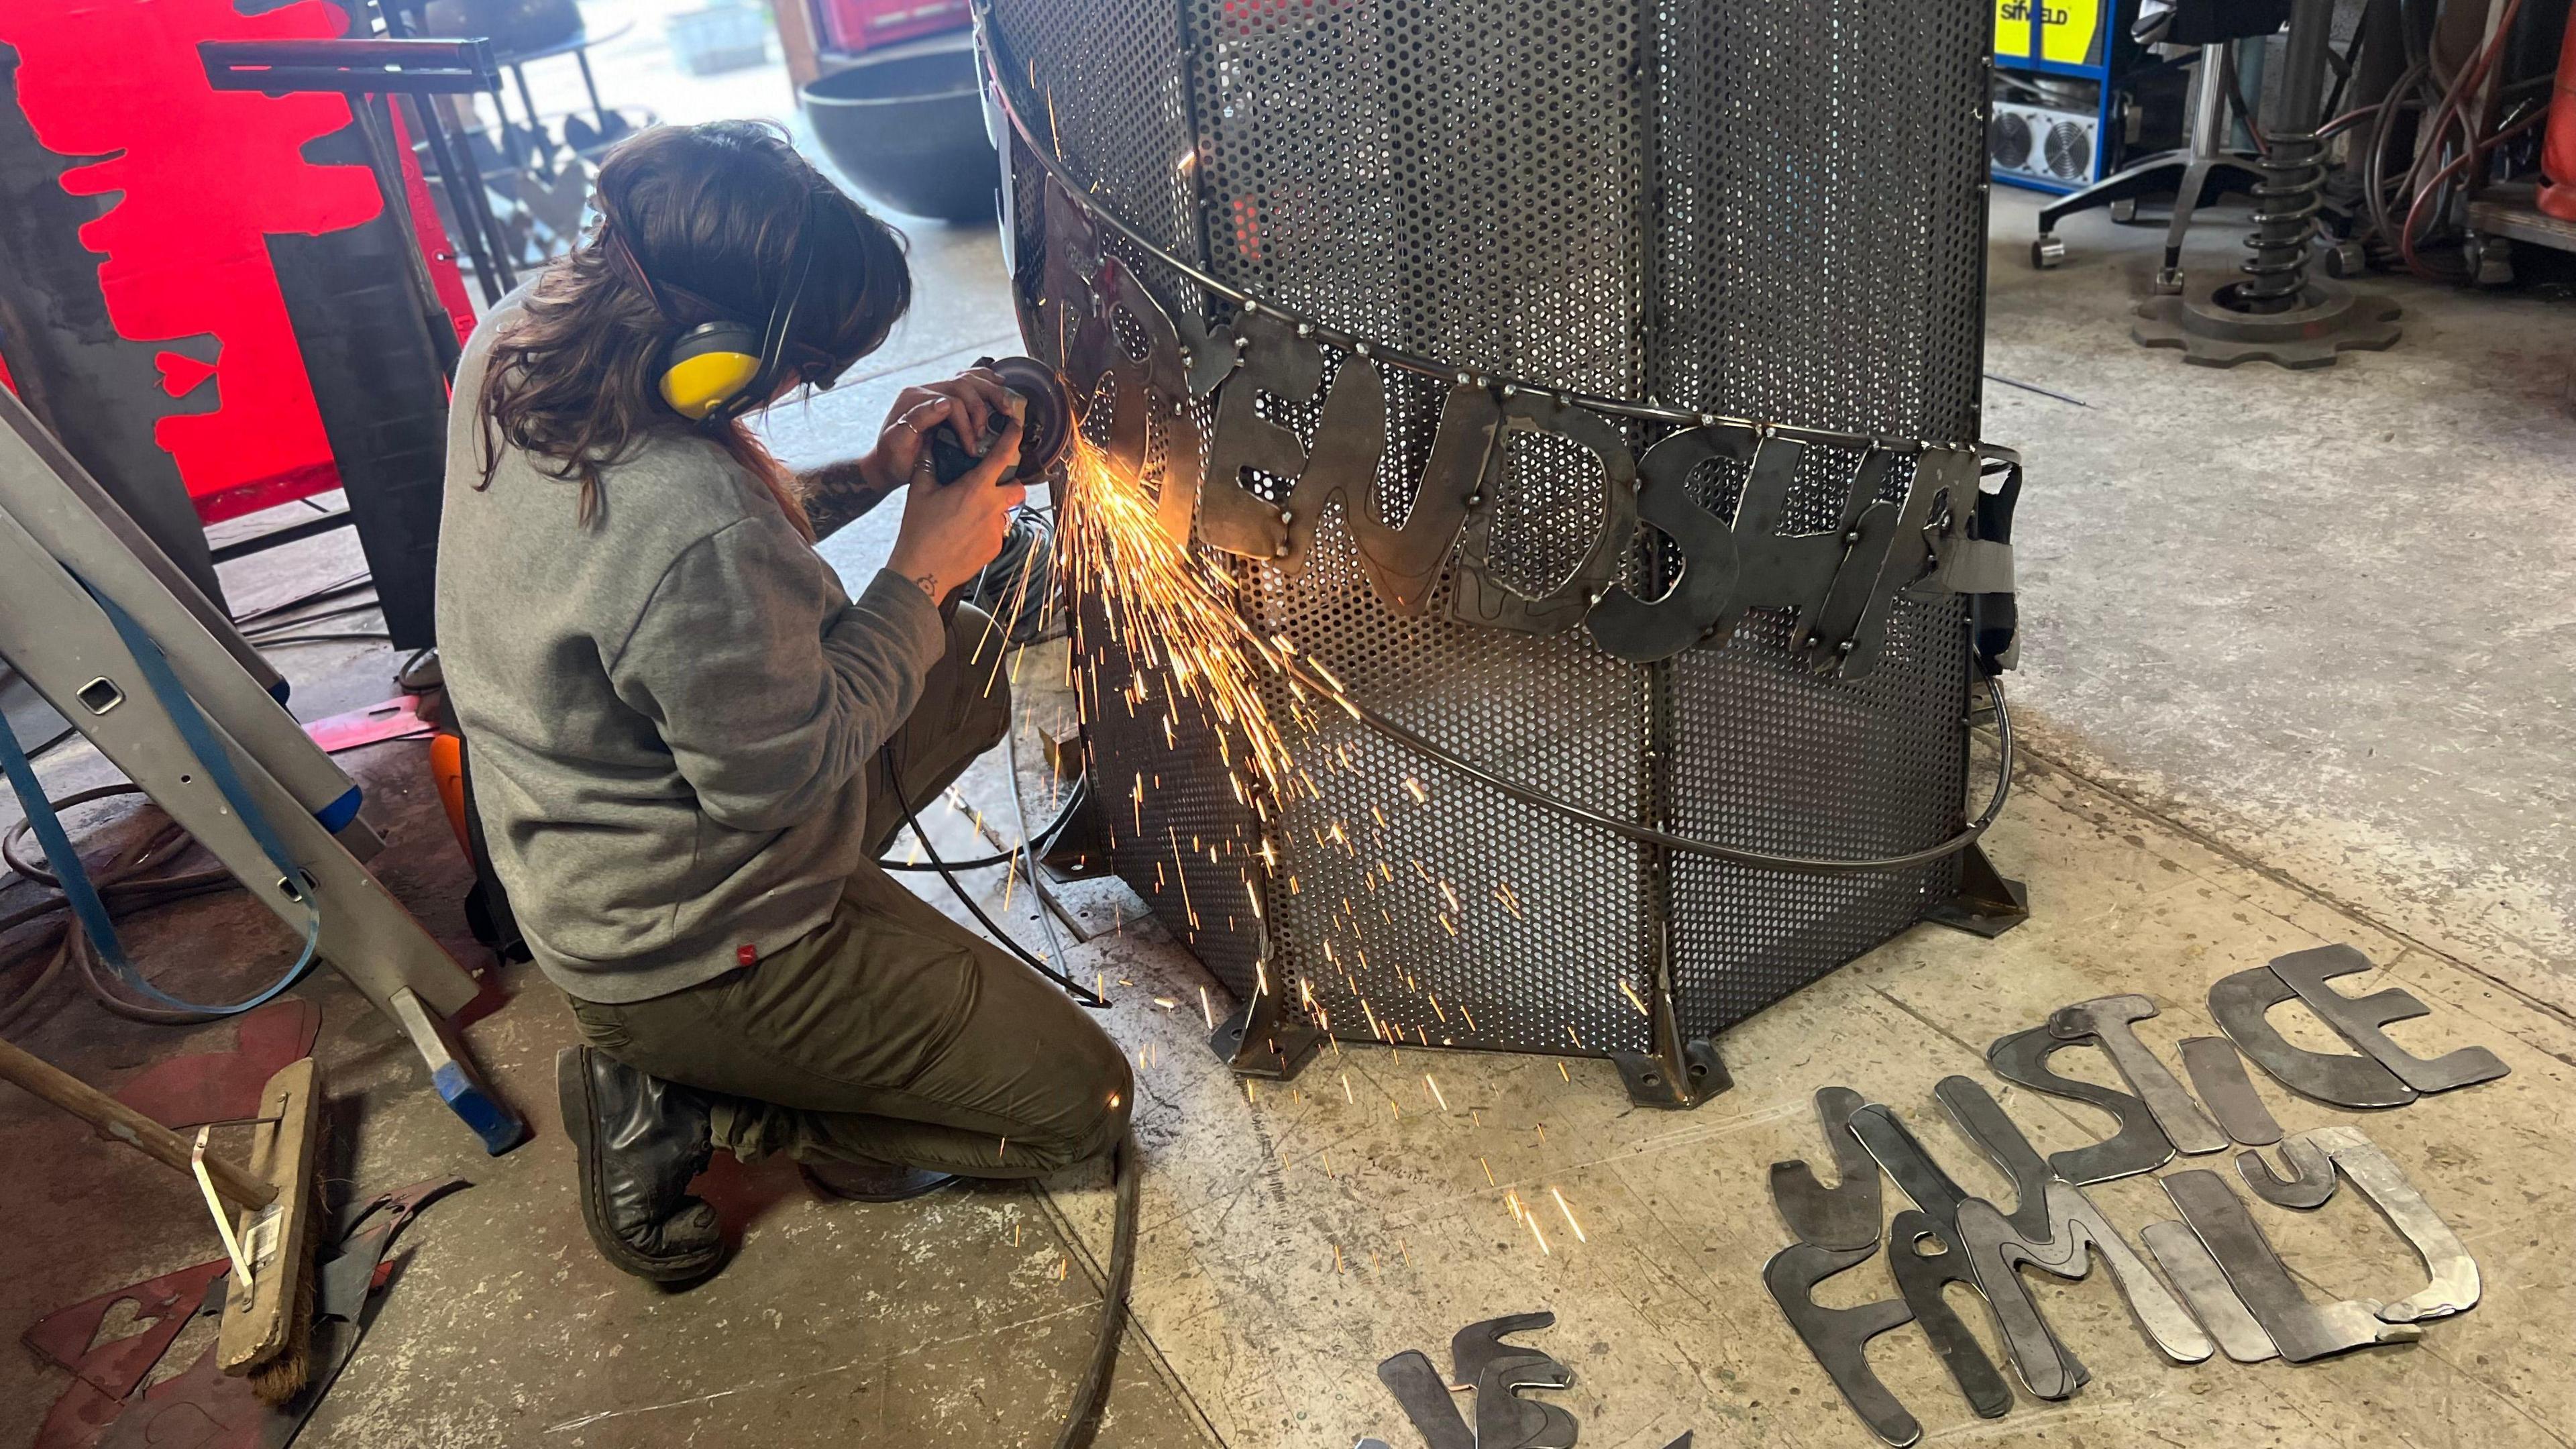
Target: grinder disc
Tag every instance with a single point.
(1046, 427)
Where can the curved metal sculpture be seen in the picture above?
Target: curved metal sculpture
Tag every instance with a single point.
(1476, 341)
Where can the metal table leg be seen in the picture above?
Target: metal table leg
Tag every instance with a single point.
(598, 112)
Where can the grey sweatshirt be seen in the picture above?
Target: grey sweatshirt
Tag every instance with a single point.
(668, 709)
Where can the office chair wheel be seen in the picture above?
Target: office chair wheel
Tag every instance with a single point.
(2047, 253)
(2125, 211)
(2345, 259)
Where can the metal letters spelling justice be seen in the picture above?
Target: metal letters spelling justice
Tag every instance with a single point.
(1120, 346)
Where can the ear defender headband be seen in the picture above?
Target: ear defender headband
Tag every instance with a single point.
(721, 369)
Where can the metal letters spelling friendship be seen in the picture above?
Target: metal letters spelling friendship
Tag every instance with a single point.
(1108, 328)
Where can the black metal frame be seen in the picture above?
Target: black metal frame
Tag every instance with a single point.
(396, 523)
(413, 69)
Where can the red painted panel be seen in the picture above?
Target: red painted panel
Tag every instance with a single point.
(431, 233)
(199, 178)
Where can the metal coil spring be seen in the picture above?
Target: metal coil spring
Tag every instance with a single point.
(2285, 218)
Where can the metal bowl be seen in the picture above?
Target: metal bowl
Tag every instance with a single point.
(908, 129)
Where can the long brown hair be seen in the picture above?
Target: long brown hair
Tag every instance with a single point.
(711, 214)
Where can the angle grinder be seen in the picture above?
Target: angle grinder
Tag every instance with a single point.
(1046, 423)
(1018, 585)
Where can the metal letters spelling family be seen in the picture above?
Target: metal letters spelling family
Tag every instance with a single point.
(1101, 324)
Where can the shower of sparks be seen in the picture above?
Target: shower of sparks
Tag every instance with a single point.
(1198, 664)
(1569, 1215)
(1435, 1091)
(1173, 610)
(1634, 999)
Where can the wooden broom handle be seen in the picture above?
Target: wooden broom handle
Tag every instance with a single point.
(128, 1126)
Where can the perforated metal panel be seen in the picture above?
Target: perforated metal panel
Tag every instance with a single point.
(1773, 211)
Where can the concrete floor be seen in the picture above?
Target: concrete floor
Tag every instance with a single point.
(2322, 617)
(2296, 674)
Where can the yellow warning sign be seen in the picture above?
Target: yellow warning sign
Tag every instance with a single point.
(2070, 30)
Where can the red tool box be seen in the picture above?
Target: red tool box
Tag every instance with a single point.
(854, 25)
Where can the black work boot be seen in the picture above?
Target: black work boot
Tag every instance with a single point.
(639, 1140)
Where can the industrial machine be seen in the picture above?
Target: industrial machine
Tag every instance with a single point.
(2075, 95)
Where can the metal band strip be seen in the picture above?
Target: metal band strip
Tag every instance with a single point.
(1645, 835)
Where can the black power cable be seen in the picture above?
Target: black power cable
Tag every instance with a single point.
(1043, 840)
(1129, 1169)
(1002, 938)
(122, 883)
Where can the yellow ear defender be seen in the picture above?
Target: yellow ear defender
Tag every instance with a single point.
(725, 367)
(709, 366)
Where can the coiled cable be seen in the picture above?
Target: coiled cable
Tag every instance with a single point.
(138, 875)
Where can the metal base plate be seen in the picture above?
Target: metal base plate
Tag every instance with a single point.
(1987, 904)
(1651, 1081)
(1258, 1042)
(2330, 320)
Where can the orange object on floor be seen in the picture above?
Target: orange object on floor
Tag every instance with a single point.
(447, 771)
(2558, 152)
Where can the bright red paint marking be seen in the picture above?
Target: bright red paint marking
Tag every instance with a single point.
(205, 177)
(181, 373)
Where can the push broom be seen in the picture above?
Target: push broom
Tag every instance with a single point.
(264, 1212)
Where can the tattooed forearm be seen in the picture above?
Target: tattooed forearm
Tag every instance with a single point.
(837, 494)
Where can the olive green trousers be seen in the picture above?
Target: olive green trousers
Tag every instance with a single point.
(892, 1034)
